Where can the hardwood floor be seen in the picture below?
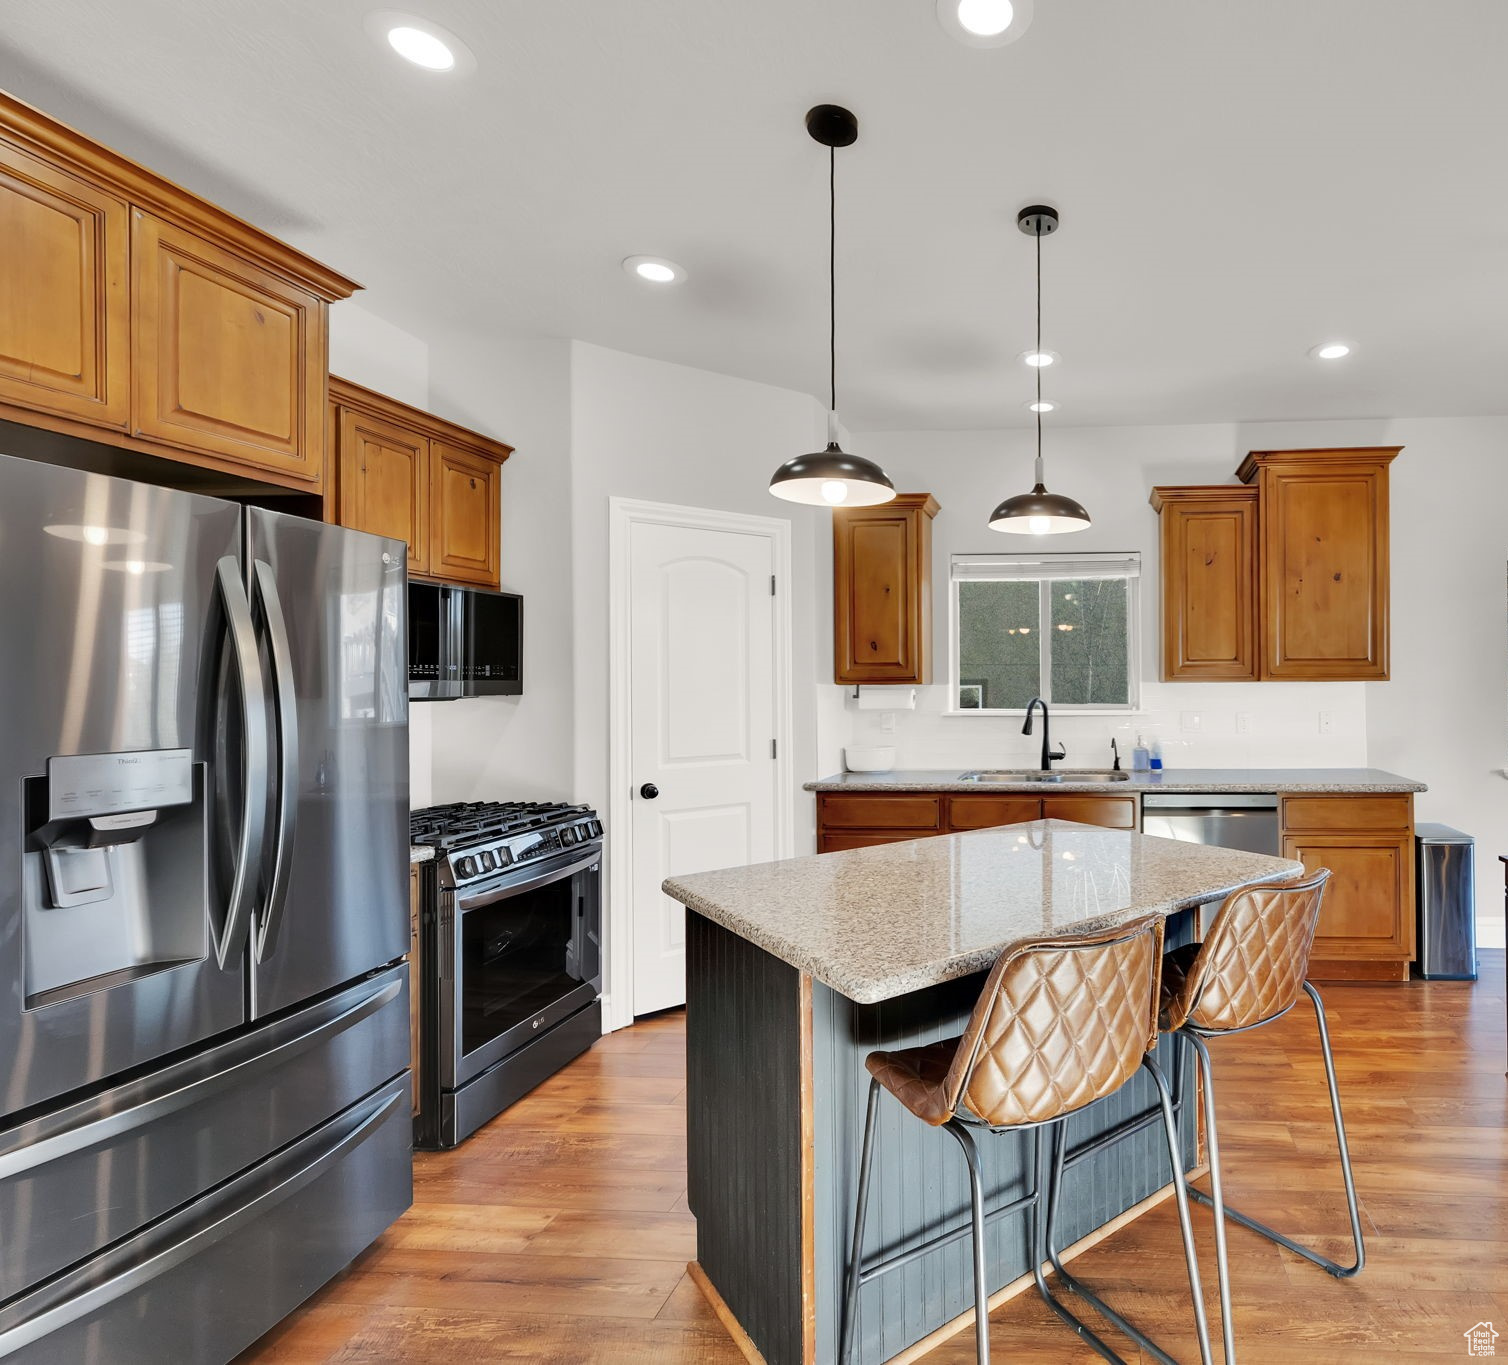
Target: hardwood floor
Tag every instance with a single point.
(560, 1233)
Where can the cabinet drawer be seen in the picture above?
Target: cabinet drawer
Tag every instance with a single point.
(1347, 812)
(838, 841)
(1113, 812)
(879, 812)
(985, 812)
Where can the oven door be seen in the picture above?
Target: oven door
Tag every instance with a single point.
(515, 959)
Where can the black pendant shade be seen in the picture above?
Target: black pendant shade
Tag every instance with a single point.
(1039, 513)
(832, 477)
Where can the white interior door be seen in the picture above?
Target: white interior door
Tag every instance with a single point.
(703, 726)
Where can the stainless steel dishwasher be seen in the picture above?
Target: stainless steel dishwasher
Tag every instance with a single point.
(1244, 820)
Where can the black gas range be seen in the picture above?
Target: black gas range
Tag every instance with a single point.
(511, 960)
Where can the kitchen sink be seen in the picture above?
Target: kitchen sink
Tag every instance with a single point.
(1036, 775)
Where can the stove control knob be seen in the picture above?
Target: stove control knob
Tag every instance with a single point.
(596, 829)
(504, 857)
(488, 860)
(568, 836)
(466, 867)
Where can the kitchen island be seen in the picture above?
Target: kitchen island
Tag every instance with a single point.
(797, 969)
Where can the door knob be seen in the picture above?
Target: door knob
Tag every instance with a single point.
(649, 791)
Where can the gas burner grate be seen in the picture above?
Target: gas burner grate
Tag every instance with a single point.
(462, 824)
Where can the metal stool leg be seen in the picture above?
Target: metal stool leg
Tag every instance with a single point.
(1042, 1226)
(981, 1276)
(856, 1251)
(1180, 1194)
(1217, 1188)
(1341, 1272)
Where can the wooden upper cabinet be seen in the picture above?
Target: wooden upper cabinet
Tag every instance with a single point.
(882, 591)
(1284, 577)
(1325, 561)
(1209, 583)
(405, 473)
(134, 313)
(384, 478)
(64, 332)
(232, 358)
(467, 535)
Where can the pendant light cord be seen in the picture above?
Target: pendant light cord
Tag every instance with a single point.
(832, 280)
(1038, 367)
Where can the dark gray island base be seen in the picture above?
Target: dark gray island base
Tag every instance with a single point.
(776, 1085)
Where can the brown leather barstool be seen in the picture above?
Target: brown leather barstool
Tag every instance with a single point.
(1059, 1024)
(1251, 969)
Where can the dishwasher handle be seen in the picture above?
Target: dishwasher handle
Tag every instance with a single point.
(1193, 803)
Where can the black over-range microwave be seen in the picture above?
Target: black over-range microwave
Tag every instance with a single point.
(464, 642)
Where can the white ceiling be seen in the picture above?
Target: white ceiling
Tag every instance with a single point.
(1237, 180)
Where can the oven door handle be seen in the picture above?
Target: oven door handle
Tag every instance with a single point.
(501, 893)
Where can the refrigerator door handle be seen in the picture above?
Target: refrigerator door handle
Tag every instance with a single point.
(249, 843)
(285, 699)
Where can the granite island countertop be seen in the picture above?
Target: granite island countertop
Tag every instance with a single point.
(420, 853)
(1192, 780)
(875, 923)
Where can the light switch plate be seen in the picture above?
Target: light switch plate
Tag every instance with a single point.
(1243, 722)
(1191, 722)
(1327, 722)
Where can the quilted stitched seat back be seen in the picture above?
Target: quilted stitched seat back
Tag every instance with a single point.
(1252, 964)
(1059, 1025)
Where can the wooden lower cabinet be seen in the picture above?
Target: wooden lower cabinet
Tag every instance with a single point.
(1366, 929)
(1113, 812)
(860, 819)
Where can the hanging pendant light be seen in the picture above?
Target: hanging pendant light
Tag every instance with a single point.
(832, 477)
(1039, 513)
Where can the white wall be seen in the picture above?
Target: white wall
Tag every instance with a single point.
(1441, 719)
(667, 433)
(516, 748)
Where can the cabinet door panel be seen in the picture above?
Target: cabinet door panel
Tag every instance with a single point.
(1209, 575)
(837, 841)
(230, 358)
(1326, 572)
(64, 335)
(1368, 906)
(985, 812)
(861, 811)
(1113, 812)
(882, 592)
(384, 483)
(466, 540)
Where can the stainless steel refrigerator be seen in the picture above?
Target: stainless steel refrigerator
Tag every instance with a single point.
(204, 1052)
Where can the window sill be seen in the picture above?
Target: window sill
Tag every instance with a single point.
(1055, 709)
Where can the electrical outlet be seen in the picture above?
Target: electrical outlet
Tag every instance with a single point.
(887, 723)
(1327, 722)
(1191, 722)
(1243, 722)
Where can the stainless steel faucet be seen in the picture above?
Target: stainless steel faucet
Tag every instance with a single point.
(1048, 756)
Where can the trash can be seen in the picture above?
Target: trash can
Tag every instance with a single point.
(1446, 904)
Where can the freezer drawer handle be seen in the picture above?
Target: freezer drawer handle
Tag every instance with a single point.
(285, 698)
(169, 1243)
(249, 844)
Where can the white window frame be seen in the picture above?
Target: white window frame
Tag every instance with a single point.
(1045, 569)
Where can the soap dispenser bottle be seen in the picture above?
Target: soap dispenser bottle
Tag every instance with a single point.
(1141, 758)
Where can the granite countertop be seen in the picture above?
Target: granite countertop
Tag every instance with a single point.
(875, 923)
(1164, 780)
(420, 853)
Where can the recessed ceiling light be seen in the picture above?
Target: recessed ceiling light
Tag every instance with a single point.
(1039, 359)
(1040, 405)
(426, 45)
(1330, 350)
(985, 23)
(655, 269)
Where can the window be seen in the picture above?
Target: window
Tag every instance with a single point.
(1059, 627)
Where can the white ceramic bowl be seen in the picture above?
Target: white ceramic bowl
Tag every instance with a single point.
(874, 758)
